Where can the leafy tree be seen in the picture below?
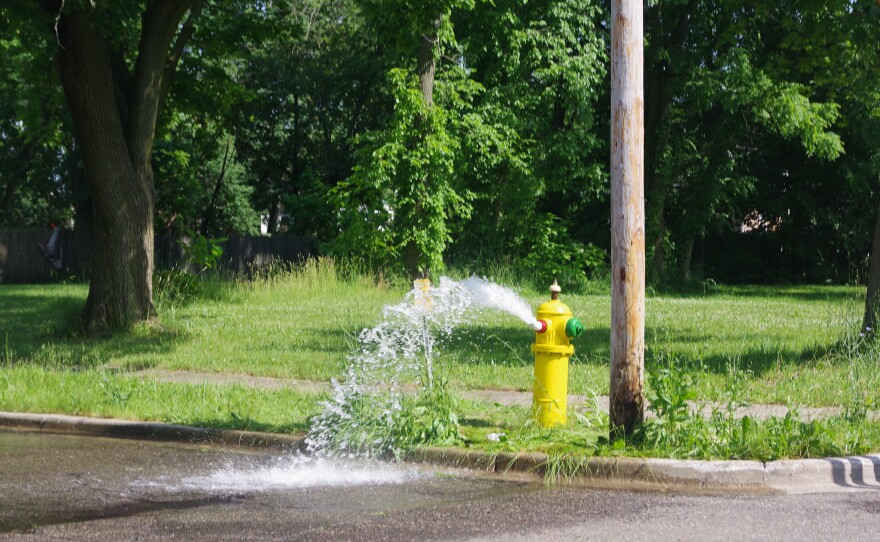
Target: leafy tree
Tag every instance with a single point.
(536, 160)
(403, 192)
(310, 86)
(712, 65)
(115, 63)
(404, 185)
(34, 150)
(201, 186)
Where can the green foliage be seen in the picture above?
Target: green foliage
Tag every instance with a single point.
(175, 287)
(363, 425)
(202, 252)
(430, 418)
(200, 183)
(681, 430)
(553, 253)
(760, 116)
(403, 193)
(782, 107)
(743, 136)
(535, 150)
(669, 391)
(179, 286)
(35, 140)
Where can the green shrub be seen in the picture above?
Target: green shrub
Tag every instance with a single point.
(175, 287)
(553, 253)
(202, 252)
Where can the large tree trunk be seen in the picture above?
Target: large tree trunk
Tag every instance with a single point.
(412, 256)
(114, 116)
(872, 298)
(427, 65)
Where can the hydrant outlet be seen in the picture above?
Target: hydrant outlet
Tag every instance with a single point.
(540, 326)
(573, 328)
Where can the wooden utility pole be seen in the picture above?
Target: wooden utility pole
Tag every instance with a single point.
(627, 219)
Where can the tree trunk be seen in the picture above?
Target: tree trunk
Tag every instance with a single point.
(627, 220)
(872, 298)
(8, 197)
(687, 250)
(412, 257)
(665, 40)
(83, 225)
(208, 220)
(114, 116)
(274, 210)
(427, 65)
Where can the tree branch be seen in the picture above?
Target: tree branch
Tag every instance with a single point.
(180, 42)
(160, 24)
(209, 213)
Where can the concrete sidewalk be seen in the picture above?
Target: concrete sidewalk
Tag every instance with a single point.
(503, 397)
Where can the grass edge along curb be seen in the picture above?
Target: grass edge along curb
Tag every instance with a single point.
(110, 427)
(785, 475)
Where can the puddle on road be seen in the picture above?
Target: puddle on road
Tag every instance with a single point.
(56, 479)
(287, 472)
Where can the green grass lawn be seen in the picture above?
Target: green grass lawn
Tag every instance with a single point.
(790, 345)
(781, 337)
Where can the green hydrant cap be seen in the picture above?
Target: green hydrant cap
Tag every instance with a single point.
(573, 327)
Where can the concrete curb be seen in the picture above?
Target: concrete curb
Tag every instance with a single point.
(859, 473)
(106, 427)
(787, 476)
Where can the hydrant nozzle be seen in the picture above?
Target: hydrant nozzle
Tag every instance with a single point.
(552, 348)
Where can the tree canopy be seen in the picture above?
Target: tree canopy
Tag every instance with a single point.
(315, 118)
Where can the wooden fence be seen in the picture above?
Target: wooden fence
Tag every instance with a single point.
(21, 260)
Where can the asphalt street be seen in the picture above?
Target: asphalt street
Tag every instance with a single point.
(86, 488)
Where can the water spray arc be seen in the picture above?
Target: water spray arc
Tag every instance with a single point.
(374, 405)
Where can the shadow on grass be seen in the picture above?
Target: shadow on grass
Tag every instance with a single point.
(27, 316)
(756, 361)
(42, 328)
(834, 294)
(476, 422)
(754, 355)
(511, 347)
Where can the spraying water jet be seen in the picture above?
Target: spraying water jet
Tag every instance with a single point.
(395, 366)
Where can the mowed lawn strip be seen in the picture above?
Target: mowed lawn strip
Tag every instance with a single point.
(304, 325)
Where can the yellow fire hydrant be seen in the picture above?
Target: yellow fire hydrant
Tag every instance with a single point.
(554, 329)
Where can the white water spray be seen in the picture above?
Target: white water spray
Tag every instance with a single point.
(300, 472)
(489, 295)
(393, 359)
(397, 357)
(287, 472)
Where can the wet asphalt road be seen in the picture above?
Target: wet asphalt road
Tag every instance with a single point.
(74, 488)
